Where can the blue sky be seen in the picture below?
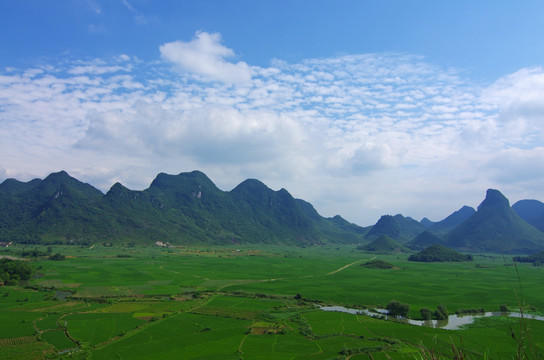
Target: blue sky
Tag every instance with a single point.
(363, 108)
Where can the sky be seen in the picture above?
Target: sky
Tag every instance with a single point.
(362, 108)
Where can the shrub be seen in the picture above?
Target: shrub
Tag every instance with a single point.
(378, 264)
(426, 314)
(396, 308)
(57, 257)
(441, 313)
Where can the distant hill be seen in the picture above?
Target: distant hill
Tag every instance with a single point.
(528, 209)
(336, 227)
(453, 220)
(426, 222)
(423, 240)
(344, 224)
(495, 227)
(439, 253)
(383, 245)
(182, 209)
(531, 211)
(398, 227)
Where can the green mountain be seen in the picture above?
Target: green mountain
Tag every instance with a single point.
(495, 227)
(13, 186)
(398, 227)
(185, 209)
(537, 222)
(452, 221)
(423, 240)
(384, 245)
(439, 253)
(426, 222)
(59, 205)
(336, 227)
(531, 211)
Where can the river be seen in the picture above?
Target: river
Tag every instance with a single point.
(454, 322)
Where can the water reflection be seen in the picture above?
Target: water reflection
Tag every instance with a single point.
(454, 322)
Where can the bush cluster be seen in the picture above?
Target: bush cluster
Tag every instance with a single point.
(12, 271)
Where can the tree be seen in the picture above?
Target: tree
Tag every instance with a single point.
(12, 271)
(441, 313)
(426, 314)
(396, 308)
(57, 257)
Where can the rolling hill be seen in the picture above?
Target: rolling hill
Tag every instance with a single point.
(424, 240)
(384, 245)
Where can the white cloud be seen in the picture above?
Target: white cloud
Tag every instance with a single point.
(356, 135)
(205, 55)
(520, 100)
(209, 135)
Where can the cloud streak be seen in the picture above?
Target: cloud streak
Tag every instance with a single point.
(359, 135)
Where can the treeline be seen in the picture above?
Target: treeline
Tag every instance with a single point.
(13, 271)
(537, 258)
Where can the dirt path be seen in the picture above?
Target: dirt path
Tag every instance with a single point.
(221, 287)
(348, 265)
(240, 352)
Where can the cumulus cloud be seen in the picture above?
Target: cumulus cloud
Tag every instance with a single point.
(209, 135)
(520, 100)
(205, 55)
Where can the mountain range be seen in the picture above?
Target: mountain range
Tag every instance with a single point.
(189, 209)
(494, 227)
(183, 209)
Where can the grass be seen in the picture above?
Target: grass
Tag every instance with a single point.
(27, 348)
(182, 334)
(208, 303)
(58, 339)
(17, 323)
(95, 328)
(49, 322)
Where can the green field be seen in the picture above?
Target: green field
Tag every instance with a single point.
(58, 339)
(260, 303)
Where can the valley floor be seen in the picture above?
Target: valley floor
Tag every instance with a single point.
(260, 303)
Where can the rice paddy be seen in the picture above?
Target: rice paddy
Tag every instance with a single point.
(260, 303)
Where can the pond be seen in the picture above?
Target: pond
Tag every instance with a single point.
(454, 322)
